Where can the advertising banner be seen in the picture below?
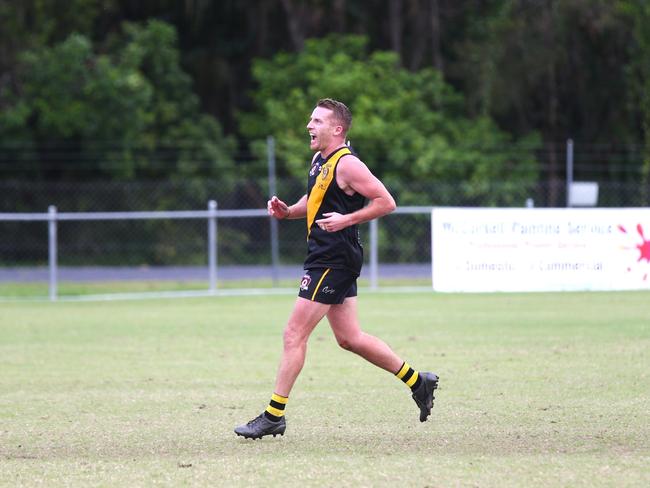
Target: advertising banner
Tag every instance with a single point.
(540, 249)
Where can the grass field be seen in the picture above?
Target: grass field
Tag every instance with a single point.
(536, 390)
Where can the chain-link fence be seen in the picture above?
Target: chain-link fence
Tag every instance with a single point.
(107, 256)
(84, 250)
(100, 255)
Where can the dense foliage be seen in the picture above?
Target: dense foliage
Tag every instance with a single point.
(455, 102)
(125, 109)
(441, 89)
(409, 125)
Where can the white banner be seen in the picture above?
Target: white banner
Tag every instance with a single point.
(540, 249)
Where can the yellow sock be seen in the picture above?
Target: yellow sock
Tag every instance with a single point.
(409, 376)
(275, 410)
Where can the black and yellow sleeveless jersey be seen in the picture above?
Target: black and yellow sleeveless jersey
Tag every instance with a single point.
(336, 250)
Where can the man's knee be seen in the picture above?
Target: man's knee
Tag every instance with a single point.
(349, 343)
(293, 337)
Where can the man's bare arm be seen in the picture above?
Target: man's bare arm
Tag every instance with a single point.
(280, 210)
(354, 176)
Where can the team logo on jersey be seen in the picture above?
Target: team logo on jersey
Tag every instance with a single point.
(315, 168)
(324, 172)
(304, 283)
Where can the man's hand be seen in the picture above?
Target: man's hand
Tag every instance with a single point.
(333, 222)
(277, 208)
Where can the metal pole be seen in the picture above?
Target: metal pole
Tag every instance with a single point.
(374, 260)
(275, 252)
(569, 170)
(52, 251)
(212, 245)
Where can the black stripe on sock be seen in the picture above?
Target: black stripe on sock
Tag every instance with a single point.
(271, 417)
(408, 375)
(278, 405)
(417, 383)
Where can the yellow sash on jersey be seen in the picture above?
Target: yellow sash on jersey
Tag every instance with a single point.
(323, 181)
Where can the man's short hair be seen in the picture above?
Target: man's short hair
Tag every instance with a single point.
(341, 112)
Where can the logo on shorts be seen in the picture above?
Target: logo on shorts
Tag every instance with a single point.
(304, 283)
(328, 290)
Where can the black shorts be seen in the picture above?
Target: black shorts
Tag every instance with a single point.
(326, 285)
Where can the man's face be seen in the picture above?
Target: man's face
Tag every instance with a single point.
(322, 127)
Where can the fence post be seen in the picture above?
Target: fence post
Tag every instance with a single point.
(275, 258)
(212, 245)
(374, 259)
(52, 251)
(569, 170)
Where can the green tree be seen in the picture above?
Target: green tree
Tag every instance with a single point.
(408, 125)
(126, 107)
(638, 78)
(550, 66)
